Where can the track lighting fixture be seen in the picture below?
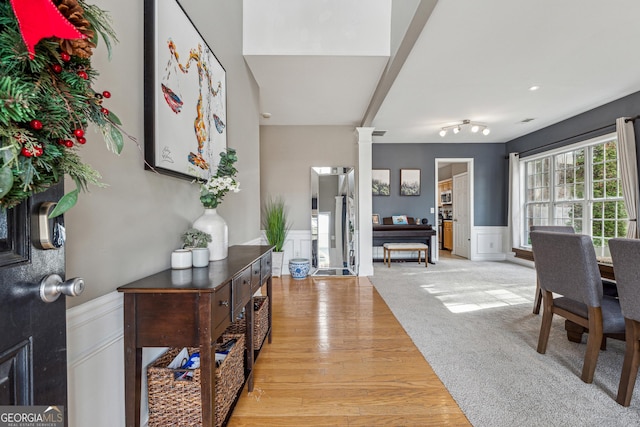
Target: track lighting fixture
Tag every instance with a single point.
(475, 128)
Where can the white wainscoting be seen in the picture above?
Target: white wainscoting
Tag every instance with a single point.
(95, 363)
(488, 244)
(297, 245)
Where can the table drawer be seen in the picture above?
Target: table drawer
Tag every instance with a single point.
(255, 276)
(241, 292)
(265, 266)
(221, 306)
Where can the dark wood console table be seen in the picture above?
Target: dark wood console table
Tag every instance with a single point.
(192, 308)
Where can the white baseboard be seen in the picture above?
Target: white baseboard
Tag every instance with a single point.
(487, 243)
(95, 363)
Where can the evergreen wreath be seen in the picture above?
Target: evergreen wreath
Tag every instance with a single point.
(47, 102)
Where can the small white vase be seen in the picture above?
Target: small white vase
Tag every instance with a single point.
(200, 257)
(180, 259)
(212, 223)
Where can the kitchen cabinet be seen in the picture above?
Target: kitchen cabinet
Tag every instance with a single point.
(447, 234)
(444, 187)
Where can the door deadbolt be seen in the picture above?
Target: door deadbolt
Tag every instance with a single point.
(52, 286)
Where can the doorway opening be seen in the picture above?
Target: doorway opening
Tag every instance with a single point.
(454, 198)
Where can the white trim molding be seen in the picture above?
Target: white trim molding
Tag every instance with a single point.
(297, 245)
(488, 243)
(95, 363)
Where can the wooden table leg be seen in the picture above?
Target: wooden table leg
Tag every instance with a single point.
(248, 345)
(132, 363)
(207, 360)
(269, 313)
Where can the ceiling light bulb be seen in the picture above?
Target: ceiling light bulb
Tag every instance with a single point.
(534, 88)
(456, 129)
(443, 132)
(486, 131)
(475, 128)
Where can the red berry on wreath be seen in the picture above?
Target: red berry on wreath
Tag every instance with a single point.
(65, 56)
(82, 140)
(38, 150)
(78, 133)
(83, 74)
(68, 143)
(26, 152)
(57, 68)
(35, 124)
(106, 94)
(104, 111)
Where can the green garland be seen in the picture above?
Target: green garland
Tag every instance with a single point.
(45, 103)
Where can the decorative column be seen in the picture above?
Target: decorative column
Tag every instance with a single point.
(365, 234)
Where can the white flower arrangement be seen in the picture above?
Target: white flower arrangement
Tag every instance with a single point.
(214, 189)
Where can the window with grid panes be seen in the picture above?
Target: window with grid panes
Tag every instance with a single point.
(580, 187)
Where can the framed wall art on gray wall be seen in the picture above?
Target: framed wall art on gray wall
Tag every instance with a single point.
(185, 95)
(409, 182)
(380, 182)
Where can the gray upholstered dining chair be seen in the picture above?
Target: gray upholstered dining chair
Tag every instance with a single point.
(566, 266)
(626, 266)
(557, 229)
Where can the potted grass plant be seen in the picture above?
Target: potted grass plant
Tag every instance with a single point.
(276, 227)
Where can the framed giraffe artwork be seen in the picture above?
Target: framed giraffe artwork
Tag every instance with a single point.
(184, 95)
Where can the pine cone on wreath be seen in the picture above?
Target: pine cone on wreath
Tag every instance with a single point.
(72, 10)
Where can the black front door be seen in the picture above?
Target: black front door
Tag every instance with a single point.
(33, 363)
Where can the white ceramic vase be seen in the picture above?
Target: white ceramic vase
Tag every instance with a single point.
(276, 263)
(212, 223)
(200, 257)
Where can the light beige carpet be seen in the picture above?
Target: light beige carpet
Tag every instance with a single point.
(473, 322)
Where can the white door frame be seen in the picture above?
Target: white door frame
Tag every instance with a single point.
(469, 162)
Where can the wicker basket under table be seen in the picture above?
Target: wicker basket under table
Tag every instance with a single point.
(260, 322)
(178, 403)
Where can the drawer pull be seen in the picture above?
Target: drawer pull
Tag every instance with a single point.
(224, 303)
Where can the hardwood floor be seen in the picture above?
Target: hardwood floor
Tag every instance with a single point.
(340, 358)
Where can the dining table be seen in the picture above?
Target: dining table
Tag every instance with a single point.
(605, 264)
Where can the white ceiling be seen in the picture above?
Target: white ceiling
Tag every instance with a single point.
(472, 60)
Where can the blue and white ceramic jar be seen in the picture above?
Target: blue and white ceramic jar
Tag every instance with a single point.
(299, 268)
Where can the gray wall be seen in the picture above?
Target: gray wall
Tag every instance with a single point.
(128, 230)
(287, 155)
(593, 123)
(490, 172)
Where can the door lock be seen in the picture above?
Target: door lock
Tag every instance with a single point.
(52, 286)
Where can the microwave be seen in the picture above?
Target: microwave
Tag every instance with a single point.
(445, 197)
